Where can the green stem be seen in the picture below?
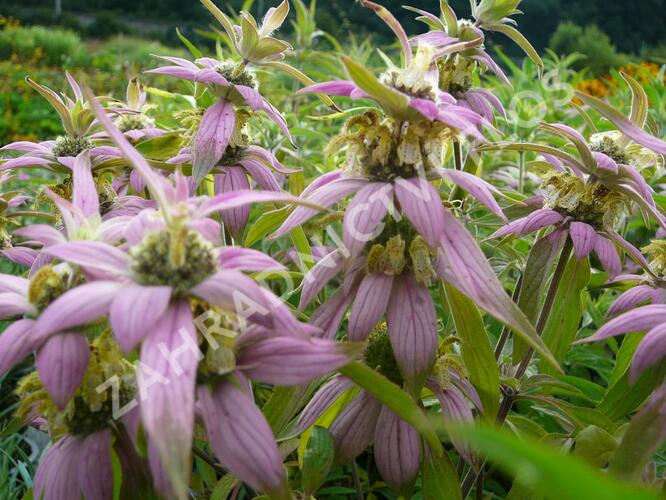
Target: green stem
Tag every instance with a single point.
(548, 303)
(457, 155)
(357, 481)
(521, 172)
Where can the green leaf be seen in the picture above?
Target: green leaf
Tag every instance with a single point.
(440, 479)
(395, 398)
(596, 445)
(264, 225)
(564, 318)
(394, 103)
(117, 475)
(190, 46)
(303, 248)
(623, 397)
(317, 459)
(641, 440)
(162, 147)
(521, 41)
(477, 353)
(284, 403)
(545, 470)
(223, 487)
(639, 101)
(221, 18)
(537, 269)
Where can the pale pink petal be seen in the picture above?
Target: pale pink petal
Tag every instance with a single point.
(608, 256)
(476, 187)
(291, 361)
(166, 380)
(92, 255)
(84, 191)
(397, 450)
(61, 363)
(420, 202)
(364, 214)
(370, 305)
(637, 320)
(13, 304)
(322, 400)
(329, 315)
(336, 87)
(583, 237)
(604, 162)
(650, 351)
(16, 343)
(246, 259)
(135, 310)
(261, 174)
(15, 284)
(354, 428)
(242, 439)
(212, 137)
(79, 306)
(631, 298)
(538, 220)
(326, 195)
(95, 469)
(47, 235)
(412, 325)
(233, 179)
(317, 277)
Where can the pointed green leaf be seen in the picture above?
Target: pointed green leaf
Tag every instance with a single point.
(477, 353)
(545, 470)
(521, 41)
(317, 459)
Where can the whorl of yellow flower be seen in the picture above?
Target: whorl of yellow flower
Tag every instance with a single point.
(589, 202)
(456, 73)
(90, 409)
(656, 250)
(384, 149)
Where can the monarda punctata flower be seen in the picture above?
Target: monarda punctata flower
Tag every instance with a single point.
(231, 174)
(460, 43)
(84, 432)
(173, 266)
(79, 123)
(592, 192)
(363, 420)
(232, 84)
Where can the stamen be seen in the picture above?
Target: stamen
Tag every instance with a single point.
(180, 259)
(379, 356)
(71, 146)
